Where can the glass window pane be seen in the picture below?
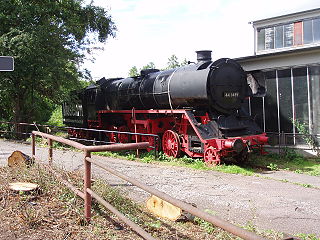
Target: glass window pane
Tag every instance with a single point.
(300, 90)
(261, 39)
(316, 29)
(245, 107)
(297, 33)
(288, 35)
(285, 100)
(314, 73)
(279, 36)
(271, 108)
(307, 32)
(257, 110)
(269, 38)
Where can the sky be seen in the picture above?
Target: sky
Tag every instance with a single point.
(154, 30)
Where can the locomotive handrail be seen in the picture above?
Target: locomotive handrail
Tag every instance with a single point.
(87, 194)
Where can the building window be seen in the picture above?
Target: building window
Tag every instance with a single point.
(291, 94)
(307, 32)
(316, 29)
(257, 110)
(261, 39)
(297, 33)
(269, 38)
(279, 36)
(271, 106)
(314, 75)
(288, 35)
(285, 100)
(300, 92)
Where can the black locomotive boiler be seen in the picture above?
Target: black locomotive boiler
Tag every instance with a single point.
(195, 109)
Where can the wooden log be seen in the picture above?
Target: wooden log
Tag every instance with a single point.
(163, 209)
(23, 186)
(19, 159)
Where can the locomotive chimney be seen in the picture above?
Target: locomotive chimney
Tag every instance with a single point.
(203, 55)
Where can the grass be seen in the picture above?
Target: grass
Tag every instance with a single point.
(54, 212)
(289, 161)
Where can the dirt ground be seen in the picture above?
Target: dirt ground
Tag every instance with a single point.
(271, 200)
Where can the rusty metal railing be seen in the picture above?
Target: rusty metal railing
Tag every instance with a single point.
(87, 194)
(24, 130)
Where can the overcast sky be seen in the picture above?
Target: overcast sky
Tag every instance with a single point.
(153, 30)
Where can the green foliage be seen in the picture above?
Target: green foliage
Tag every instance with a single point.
(48, 40)
(310, 140)
(289, 160)
(173, 62)
(307, 236)
(133, 72)
(208, 227)
(150, 65)
(273, 166)
(56, 118)
(235, 169)
(131, 157)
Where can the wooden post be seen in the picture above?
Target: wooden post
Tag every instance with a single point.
(87, 184)
(33, 144)
(50, 151)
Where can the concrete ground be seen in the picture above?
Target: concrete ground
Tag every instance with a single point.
(272, 200)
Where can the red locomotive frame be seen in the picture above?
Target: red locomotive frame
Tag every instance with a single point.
(179, 133)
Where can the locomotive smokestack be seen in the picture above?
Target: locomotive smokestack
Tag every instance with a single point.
(203, 55)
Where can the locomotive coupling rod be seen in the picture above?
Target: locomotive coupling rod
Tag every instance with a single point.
(244, 234)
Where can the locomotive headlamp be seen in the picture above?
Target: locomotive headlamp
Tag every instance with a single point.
(236, 145)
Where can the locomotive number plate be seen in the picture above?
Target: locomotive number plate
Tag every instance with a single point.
(231, 94)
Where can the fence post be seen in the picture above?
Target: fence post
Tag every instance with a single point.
(33, 144)
(50, 151)
(87, 184)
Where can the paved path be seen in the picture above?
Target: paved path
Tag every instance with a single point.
(267, 203)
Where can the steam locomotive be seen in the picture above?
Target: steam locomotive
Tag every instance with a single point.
(195, 109)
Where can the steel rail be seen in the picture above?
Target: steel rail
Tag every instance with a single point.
(187, 207)
(122, 217)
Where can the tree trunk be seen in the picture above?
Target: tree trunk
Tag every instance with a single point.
(19, 159)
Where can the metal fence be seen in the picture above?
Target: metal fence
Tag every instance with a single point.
(282, 141)
(87, 194)
(13, 130)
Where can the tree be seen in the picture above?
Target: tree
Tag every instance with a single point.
(150, 65)
(173, 62)
(133, 71)
(48, 40)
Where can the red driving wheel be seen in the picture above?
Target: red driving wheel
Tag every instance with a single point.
(210, 157)
(171, 145)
